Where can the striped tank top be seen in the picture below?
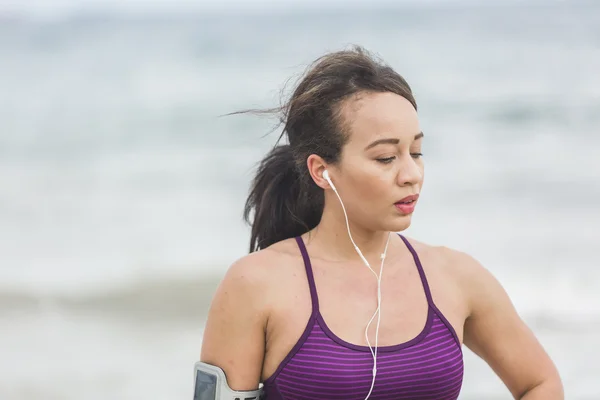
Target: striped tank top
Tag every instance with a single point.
(322, 366)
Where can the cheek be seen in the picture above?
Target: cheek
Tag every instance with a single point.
(371, 187)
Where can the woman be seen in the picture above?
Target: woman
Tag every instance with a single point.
(292, 314)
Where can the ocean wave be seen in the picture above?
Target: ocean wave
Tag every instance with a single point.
(150, 299)
(188, 299)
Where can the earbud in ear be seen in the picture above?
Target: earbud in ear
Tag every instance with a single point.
(328, 179)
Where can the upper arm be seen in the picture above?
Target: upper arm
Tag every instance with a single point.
(496, 333)
(234, 335)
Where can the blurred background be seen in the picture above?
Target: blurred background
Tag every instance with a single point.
(122, 188)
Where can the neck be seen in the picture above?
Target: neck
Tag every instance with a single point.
(331, 237)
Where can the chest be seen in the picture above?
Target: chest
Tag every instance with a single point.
(345, 304)
(417, 371)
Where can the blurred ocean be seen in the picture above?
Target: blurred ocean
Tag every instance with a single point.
(121, 188)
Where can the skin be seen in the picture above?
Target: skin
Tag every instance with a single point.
(263, 303)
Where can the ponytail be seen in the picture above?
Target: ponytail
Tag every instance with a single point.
(285, 202)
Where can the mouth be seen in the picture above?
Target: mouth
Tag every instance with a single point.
(408, 200)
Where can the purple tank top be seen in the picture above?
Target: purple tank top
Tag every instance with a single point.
(323, 366)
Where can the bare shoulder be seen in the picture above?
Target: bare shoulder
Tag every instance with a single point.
(449, 260)
(482, 289)
(252, 270)
(463, 265)
(259, 271)
(469, 276)
(459, 262)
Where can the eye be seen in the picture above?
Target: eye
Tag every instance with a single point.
(416, 155)
(386, 160)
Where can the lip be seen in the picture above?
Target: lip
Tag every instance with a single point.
(413, 197)
(406, 206)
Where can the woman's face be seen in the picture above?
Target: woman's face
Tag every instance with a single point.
(381, 164)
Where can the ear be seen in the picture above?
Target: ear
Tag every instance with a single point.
(316, 166)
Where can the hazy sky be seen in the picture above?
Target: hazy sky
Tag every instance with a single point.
(59, 7)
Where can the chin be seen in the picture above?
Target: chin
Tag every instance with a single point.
(400, 223)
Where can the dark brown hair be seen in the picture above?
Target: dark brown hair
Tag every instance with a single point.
(284, 200)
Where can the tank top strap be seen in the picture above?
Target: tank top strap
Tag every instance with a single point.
(420, 269)
(309, 275)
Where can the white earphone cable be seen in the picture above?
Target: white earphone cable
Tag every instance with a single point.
(378, 310)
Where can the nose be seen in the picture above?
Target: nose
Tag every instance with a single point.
(410, 171)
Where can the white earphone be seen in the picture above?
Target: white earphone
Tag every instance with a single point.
(378, 310)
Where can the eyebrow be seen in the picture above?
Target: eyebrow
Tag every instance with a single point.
(391, 141)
